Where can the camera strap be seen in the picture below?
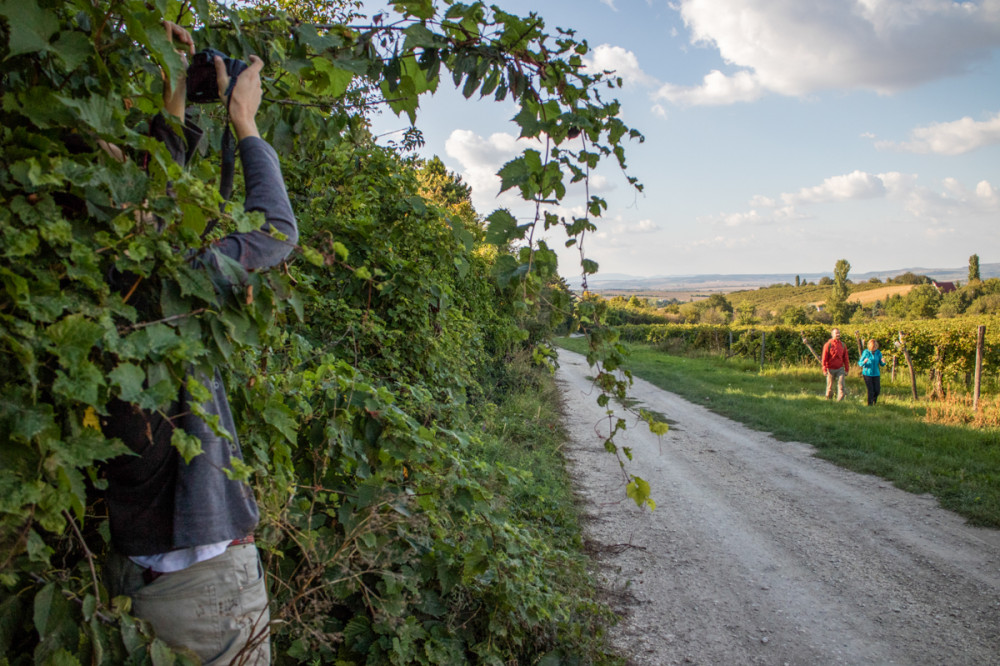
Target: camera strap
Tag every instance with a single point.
(228, 171)
(228, 162)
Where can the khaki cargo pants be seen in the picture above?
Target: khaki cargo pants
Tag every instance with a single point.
(216, 608)
(840, 374)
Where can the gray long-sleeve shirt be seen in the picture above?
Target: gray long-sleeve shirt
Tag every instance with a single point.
(157, 502)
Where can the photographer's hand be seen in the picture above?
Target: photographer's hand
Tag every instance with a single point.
(175, 97)
(245, 98)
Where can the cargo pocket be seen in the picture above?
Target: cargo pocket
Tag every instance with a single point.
(184, 610)
(254, 617)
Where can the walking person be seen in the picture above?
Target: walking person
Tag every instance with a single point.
(835, 364)
(871, 361)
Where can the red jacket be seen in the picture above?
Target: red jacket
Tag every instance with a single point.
(834, 355)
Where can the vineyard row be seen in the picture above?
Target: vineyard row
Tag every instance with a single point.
(948, 348)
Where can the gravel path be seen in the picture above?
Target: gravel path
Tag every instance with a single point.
(760, 553)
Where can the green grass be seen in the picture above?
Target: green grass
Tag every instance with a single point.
(524, 431)
(957, 464)
(521, 443)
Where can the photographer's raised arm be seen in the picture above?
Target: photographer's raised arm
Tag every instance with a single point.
(266, 192)
(175, 103)
(175, 93)
(265, 186)
(245, 98)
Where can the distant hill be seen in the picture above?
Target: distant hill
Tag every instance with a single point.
(735, 281)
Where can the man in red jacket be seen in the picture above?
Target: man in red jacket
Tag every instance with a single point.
(835, 364)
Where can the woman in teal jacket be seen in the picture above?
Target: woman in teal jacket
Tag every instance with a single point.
(870, 362)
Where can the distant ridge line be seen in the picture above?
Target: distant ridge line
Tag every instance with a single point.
(732, 281)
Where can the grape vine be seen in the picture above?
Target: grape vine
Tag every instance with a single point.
(353, 370)
(948, 346)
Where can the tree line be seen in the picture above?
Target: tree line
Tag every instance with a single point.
(828, 302)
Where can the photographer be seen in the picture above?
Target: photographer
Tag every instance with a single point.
(182, 533)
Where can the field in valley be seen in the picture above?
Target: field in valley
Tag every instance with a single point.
(880, 294)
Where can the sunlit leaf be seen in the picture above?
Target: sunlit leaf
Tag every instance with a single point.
(186, 444)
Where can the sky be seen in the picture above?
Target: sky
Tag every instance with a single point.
(780, 135)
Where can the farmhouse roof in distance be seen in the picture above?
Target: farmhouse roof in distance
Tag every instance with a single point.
(944, 287)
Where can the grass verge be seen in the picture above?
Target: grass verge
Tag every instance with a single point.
(522, 440)
(959, 465)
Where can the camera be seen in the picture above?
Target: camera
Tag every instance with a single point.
(202, 84)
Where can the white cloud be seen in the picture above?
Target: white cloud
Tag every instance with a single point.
(740, 219)
(639, 227)
(796, 47)
(621, 233)
(951, 138)
(716, 89)
(609, 3)
(951, 201)
(986, 192)
(598, 184)
(472, 150)
(855, 185)
(757, 216)
(620, 61)
(481, 158)
(896, 183)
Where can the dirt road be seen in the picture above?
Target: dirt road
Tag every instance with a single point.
(760, 553)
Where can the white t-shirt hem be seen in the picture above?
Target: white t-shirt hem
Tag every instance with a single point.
(178, 560)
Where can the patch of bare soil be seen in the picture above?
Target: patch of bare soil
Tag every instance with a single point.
(760, 553)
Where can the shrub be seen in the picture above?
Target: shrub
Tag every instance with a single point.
(922, 302)
(986, 304)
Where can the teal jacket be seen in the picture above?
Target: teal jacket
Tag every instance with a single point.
(870, 362)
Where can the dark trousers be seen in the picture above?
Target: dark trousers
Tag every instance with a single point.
(874, 386)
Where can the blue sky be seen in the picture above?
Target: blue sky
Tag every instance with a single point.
(781, 135)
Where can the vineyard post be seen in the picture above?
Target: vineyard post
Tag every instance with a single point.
(937, 372)
(729, 347)
(980, 340)
(805, 341)
(861, 347)
(909, 363)
(763, 343)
